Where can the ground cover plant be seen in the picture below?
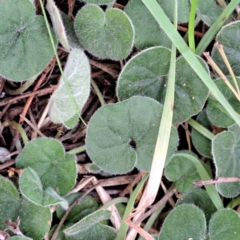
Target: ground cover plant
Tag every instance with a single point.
(119, 119)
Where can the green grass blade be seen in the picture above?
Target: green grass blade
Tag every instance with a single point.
(177, 40)
(211, 190)
(208, 37)
(124, 227)
(191, 39)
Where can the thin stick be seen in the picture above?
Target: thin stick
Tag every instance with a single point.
(219, 180)
(32, 126)
(225, 59)
(220, 73)
(40, 92)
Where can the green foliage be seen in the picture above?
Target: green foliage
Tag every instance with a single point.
(107, 34)
(25, 49)
(73, 91)
(183, 171)
(47, 158)
(31, 187)
(146, 74)
(216, 114)
(230, 46)
(208, 11)
(91, 228)
(199, 198)
(35, 219)
(201, 143)
(226, 149)
(184, 222)
(99, 2)
(86, 206)
(58, 25)
(148, 33)
(224, 225)
(130, 129)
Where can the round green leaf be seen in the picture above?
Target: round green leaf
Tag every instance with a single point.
(215, 112)
(25, 47)
(31, 187)
(46, 156)
(146, 74)
(122, 136)
(229, 37)
(148, 32)
(200, 142)
(184, 222)
(201, 199)
(224, 224)
(86, 206)
(105, 35)
(71, 95)
(183, 171)
(35, 219)
(226, 149)
(9, 201)
(208, 11)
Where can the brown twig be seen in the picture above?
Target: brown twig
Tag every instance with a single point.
(219, 180)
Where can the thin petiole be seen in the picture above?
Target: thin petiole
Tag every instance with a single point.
(224, 57)
(191, 39)
(220, 73)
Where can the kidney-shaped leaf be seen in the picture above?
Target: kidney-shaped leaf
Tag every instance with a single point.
(9, 201)
(122, 136)
(184, 222)
(224, 224)
(226, 156)
(71, 95)
(146, 74)
(183, 171)
(34, 219)
(208, 11)
(46, 156)
(25, 48)
(31, 187)
(230, 46)
(148, 32)
(105, 35)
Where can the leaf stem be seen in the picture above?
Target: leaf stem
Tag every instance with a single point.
(97, 91)
(212, 192)
(205, 132)
(77, 150)
(191, 40)
(208, 37)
